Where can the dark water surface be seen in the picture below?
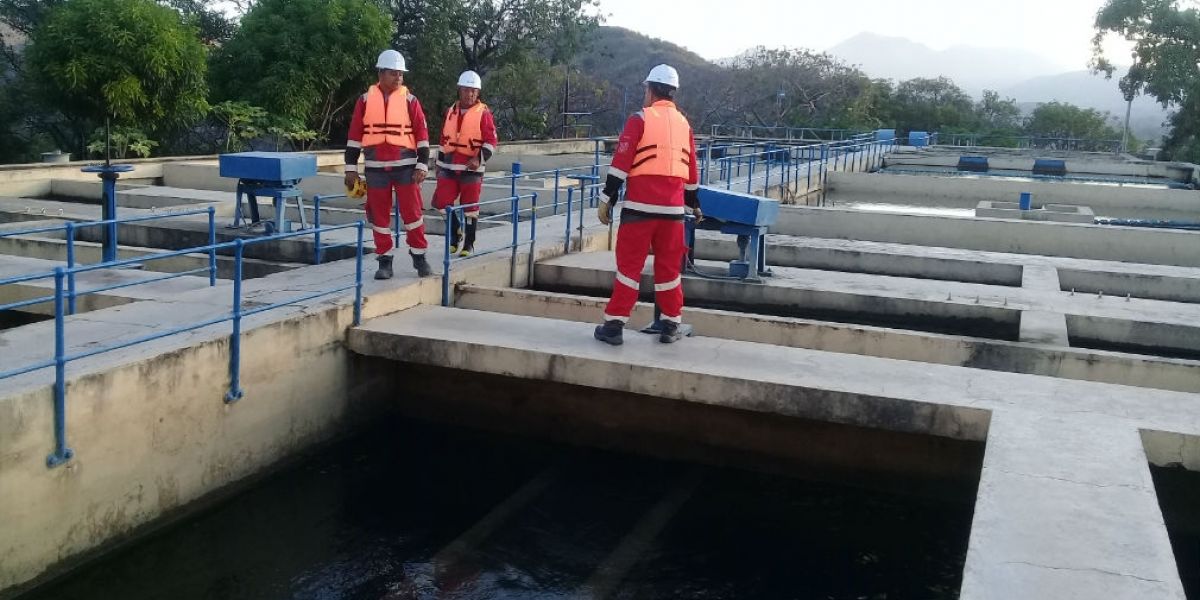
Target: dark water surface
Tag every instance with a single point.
(412, 510)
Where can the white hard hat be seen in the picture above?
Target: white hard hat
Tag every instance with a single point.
(470, 79)
(390, 59)
(664, 74)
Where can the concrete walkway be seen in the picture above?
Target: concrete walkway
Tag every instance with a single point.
(1066, 505)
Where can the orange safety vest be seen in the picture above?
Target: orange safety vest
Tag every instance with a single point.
(468, 140)
(388, 123)
(665, 147)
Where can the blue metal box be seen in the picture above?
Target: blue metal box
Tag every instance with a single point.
(736, 207)
(974, 164)
(918, 139)
(1049, 166)
(885, 135)
(268, 166)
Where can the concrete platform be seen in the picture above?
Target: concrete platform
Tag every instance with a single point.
(1066, 506)
(1051, 360)
(11, 266)
(938, 306)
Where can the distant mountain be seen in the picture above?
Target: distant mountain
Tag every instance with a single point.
(973, 69)
(624, 57)
(1082, 88)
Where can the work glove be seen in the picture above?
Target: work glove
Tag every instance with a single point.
(603, 210)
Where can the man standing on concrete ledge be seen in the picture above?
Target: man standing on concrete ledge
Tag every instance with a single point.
(656, 157)
(389, 128)
(468, 141)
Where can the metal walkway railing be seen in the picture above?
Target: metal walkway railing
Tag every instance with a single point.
(64, 294)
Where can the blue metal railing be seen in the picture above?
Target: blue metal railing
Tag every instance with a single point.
(772, 164)
(70, 230)
(512, 216)
(62, 452)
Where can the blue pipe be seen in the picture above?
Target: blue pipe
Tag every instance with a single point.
(235, 340)
(70, 265)
(446, 257)
(212, 242)
(358, 283)
(61, 453)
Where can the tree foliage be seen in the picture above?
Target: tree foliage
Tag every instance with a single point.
(1166, 61)
(302, 60)
(442, 38)
(133, 60)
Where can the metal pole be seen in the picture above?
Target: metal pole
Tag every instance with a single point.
(446, 257)
(317, 226)
(1125, 134)
(512, 262)
(532, 240)
(110, 215)
(61, 452)
(235, 341)
(567, 236)
(358, 260)
(557, 172)
(212, 246)
(516, 172)
(71, 265)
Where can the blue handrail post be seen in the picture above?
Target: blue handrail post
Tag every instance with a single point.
(557, 173)
(567, 236)
(358, 264)
(512, 264)
(446, 257)
(61, 452)
(532, 240)
(750, 176)
(70, 266)
(212, 246)
(516, 172)
(596, 158)
(767, 187)
(808, 173)
(235, 341)
(317, 225)
(704, 166)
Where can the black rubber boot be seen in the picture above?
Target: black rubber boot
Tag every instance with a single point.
(385, 267)
(611, 332)
(670, 332)
(455, 235)
(468, 246)
(420, 264)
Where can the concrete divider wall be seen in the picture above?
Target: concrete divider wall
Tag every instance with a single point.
(1122, 244)
(933, 190)
(155, 435)
(1082, 163)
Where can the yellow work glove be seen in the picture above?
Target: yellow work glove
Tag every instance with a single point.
(602, 211)
(358, 190)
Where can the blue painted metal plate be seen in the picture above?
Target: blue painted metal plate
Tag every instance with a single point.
(1049, 166)
(918, 139)
(268, 166)
(736, 207)
(885, 135)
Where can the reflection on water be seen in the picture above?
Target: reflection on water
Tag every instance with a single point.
(416, 511)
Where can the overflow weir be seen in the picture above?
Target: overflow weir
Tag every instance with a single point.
(1032, 380)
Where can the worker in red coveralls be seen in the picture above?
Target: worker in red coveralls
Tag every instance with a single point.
(389, 128)
(656, 159)
(468, 141)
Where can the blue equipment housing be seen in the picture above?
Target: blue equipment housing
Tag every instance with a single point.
(275, 175)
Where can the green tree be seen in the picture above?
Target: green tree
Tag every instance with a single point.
(442, 38)
(302, 60)
(933, 105)
(1166, 62)
(1058, 120)
(133, 60)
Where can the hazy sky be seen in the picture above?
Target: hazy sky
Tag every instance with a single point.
(1060, 30)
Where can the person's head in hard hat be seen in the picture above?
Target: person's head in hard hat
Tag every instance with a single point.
(469, 87)
(661, 84)
(391, 68)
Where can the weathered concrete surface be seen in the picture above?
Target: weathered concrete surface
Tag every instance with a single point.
(1075, 518)
(1096, 242)
(1060, 213)
(1097, 163)
(1040, 326)
(55, 250)
(1155, 282)
(149, 426)
(11, 266)
(996, 355)
(1148, 323)
(953, 191)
